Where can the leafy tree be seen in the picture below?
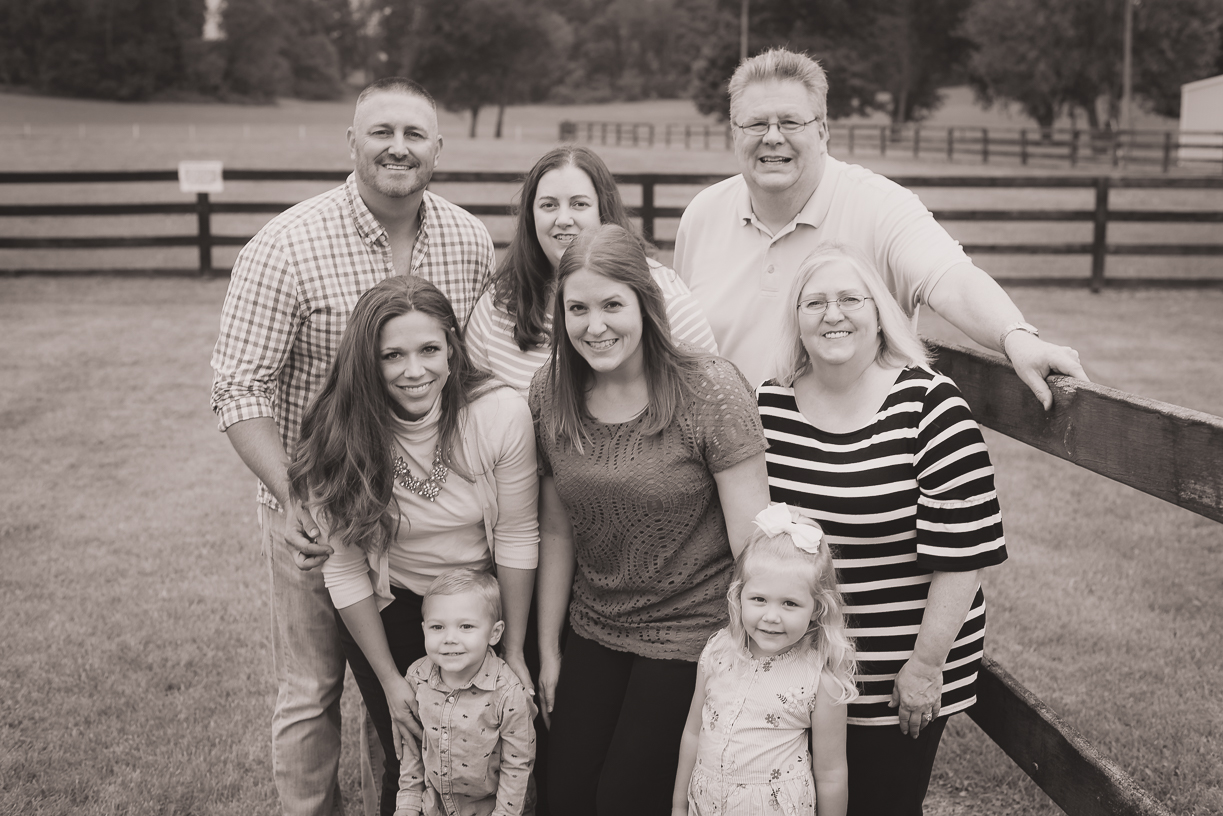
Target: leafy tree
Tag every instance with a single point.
(473, 53)
(1057, 55)
(891, 55)
(113, 49)
(286, 47)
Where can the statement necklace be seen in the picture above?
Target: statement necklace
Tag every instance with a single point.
(427, 488)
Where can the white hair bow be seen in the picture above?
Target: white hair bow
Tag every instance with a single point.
(776, 519)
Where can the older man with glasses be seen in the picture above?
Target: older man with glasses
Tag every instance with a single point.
(741, 241)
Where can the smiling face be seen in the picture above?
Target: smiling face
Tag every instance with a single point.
(394, 144)
(458, 631)
(777, 162)
(565, 204)
(836, 337)
(603, 321)
(414, 355)
(777, 608)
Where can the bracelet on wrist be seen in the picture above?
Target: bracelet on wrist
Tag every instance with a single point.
(1018, 325)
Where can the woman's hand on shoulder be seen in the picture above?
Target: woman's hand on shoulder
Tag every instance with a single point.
(398, 692)
(518, 665)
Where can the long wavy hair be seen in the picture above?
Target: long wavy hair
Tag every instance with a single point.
(826, 633)
(613, 252)
(523, 282)
(899, 344)
(343, 461)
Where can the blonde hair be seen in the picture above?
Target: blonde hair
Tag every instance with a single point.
(780, 65)
(457, 581)
(899, 344)
(826, 634)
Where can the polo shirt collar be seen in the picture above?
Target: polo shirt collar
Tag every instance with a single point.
(813, 212)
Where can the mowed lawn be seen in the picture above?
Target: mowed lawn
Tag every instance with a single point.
(136, 675)
(137, 679)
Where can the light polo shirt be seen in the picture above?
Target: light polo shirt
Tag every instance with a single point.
(743, 274)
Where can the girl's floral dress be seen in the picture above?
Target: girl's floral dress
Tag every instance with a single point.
(753, 755)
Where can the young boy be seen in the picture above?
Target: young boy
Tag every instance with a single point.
(473, 752)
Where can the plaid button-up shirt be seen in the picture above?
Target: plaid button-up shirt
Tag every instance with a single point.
(295, 284)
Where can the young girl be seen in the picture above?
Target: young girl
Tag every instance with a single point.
(782, 667)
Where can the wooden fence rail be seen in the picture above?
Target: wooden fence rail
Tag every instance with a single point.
(1169, 452)
(1165, 149)
(205, 239)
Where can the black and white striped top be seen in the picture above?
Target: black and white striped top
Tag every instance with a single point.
(909, 494)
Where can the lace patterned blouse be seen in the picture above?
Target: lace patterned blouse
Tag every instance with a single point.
(653, 560)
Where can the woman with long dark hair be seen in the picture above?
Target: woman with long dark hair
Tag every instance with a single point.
(653, 463)
(569, 190)
(415, 462)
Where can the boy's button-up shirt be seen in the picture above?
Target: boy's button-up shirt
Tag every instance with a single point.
(473, 753)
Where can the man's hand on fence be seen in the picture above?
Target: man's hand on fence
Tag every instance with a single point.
(1034, 360)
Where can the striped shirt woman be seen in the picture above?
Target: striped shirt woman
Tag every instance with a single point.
(883, 452)
(909, 494)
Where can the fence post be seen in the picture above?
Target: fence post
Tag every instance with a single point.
(1116, 148)
(730, 140)
(706, 135)
(647, 209)
(203, 209)
(985, 145)
(1167, 150)
(603, 133)
(1023, 146)
(1074, 147)
(617, 134)
(851, 140)
(883, 140)
(1099, 238)
(651, 134)
(667, 135)
(590, 132)
(950, 143)
(916, 141)
(687, 135)
(569, 131)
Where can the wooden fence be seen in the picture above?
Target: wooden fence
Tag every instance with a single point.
(204, 207)
(1072, 147)
(1170, 452)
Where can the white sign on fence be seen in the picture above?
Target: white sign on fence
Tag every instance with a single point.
(200, 177)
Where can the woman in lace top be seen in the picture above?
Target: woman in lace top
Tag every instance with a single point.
(653, 462)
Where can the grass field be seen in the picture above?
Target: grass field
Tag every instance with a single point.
(136, 675)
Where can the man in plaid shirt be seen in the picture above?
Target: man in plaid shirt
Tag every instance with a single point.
(292, 290)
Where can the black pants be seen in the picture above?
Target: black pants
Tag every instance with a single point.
(889, 772)
(404, 634)
(616, 729)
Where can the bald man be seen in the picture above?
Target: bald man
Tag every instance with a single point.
(290, 295)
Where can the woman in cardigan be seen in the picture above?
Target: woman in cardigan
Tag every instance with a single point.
(653, 463)
(883, 452)
(417, 463)
(569, 190)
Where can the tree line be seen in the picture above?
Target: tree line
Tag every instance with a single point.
(1052, 57)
